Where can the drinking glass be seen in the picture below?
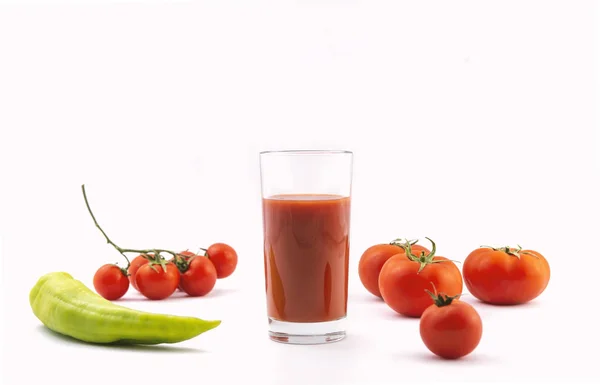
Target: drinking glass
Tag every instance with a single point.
(306, 230)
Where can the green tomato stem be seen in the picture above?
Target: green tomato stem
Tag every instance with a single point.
(441, 299)
(156, 259)
(424, 260)
(514, 251)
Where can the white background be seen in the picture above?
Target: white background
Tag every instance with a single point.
(472, 122)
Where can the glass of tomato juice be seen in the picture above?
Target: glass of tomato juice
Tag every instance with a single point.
(306, 231)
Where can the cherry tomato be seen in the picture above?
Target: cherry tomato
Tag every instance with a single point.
(134, 266)
(372, 260)
(199, 277)
(111, 282)
(450, 328)
(185, 255)
(405, 277)
(224, 258)
(506, 276)
(156, 283)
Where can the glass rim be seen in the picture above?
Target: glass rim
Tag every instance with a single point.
(306, 152)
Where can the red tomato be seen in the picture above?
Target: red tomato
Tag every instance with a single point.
(111, 282)
(224, 258)
(156, 283)
(186, 255)
(372, 260)
(134, 266)
(450, 328)
(506, 276)
(404, 279)
(199, 277)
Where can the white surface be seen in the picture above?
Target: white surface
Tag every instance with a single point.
(471, 122)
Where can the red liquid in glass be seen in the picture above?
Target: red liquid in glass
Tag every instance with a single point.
(306, 247)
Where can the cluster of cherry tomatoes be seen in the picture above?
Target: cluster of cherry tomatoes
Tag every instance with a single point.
(156, 277)
(415, 282)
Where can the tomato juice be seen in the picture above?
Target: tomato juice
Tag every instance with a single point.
(306, 248)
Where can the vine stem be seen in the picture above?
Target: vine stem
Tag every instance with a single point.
(121, 250)
(87, 204)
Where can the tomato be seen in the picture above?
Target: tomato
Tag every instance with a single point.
(134, 266)
(199, 276)
(156, 282)
(110, 281)
(372, 260)
(450, 328)
(506, 276)
(405, 277)
(186, 255)
(224, 258)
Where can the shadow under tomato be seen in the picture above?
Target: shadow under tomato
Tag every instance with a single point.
(430, 358)
(216, 292)
(177, 295)
(134, 348)
(367, 298)
(478, 303)
(136, 297)
(389, 314)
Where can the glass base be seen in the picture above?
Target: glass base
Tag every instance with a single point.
(306, 333)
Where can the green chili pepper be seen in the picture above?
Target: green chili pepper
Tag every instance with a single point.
(68, 307)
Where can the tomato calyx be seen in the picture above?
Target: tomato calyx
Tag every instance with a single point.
(404, 243)
(441, 299)
(182, 262)
(423, 260)
(514, 251)
(123, 270)
(160, 260)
